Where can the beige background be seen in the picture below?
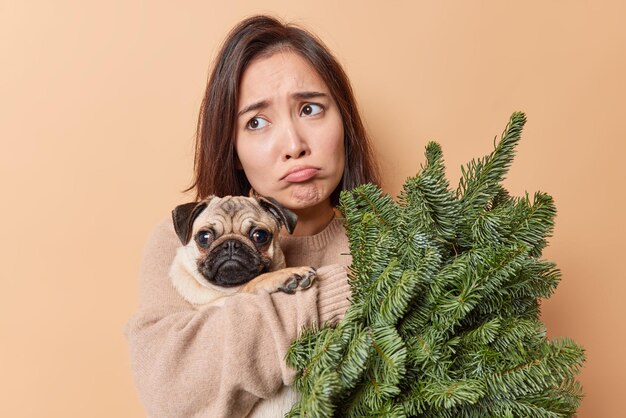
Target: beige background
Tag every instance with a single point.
(98, 104)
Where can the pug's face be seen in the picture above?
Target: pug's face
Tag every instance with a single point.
(233, 239)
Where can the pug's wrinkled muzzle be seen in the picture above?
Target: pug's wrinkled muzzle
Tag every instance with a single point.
(232, 263)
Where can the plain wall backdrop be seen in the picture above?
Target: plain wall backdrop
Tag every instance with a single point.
(98, 106)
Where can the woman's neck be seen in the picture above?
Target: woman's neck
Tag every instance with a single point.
(313, 220)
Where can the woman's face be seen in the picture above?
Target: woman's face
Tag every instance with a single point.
(289, 135)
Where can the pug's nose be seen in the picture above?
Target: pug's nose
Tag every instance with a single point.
(232, 245)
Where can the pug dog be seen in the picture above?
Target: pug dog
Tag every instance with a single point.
(230, 245)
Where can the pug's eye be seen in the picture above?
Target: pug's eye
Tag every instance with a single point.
(260, 236)
(204, 238)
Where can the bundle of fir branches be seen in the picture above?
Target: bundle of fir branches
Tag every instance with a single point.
(444, 320)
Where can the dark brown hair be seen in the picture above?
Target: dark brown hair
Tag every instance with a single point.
(215, 161)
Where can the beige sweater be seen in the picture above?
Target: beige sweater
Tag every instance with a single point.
(218, 361)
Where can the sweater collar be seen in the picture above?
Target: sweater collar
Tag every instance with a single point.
(317, 241)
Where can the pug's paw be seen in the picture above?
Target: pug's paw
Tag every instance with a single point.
(300, 278)
(287, 280)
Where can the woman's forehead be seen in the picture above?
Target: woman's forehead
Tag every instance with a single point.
(281, 74)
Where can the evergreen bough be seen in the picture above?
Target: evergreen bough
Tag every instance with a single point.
(444, 320)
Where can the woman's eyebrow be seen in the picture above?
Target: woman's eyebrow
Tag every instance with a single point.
(308, 95)
(254, 106)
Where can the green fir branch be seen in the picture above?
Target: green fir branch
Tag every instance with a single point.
(446, 289)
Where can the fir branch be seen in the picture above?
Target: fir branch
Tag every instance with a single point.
(481, 178)
(427, 195)
(484, 333)
(317, 400)
(355, 359)
(445, 314)
(449, 393)
(536, 222)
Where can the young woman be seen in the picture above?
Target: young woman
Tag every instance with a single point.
(279, 117)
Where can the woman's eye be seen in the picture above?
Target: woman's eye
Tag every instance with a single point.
(311, 109)
(204, 238)
(260, 236)
(257, 122)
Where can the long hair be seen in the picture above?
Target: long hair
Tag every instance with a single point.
(215, 167)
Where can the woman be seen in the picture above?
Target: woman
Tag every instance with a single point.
(279, 117)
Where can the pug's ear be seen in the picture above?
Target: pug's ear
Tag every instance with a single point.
(183, 217)
(283, 215)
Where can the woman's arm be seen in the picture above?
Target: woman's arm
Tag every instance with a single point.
(218, 361)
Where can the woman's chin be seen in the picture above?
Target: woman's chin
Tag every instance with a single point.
(301, 196)
(304, 196)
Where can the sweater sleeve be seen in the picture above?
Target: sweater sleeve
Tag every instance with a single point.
(217, 361)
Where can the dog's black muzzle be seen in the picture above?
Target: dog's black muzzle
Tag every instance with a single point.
(232, 263)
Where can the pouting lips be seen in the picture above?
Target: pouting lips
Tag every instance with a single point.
(301, 175)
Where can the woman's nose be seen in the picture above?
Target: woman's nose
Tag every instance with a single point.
(294, 144)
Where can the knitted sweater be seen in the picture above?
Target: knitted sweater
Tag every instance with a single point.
(219, 361)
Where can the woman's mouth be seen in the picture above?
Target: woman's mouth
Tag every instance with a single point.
(301, 174)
